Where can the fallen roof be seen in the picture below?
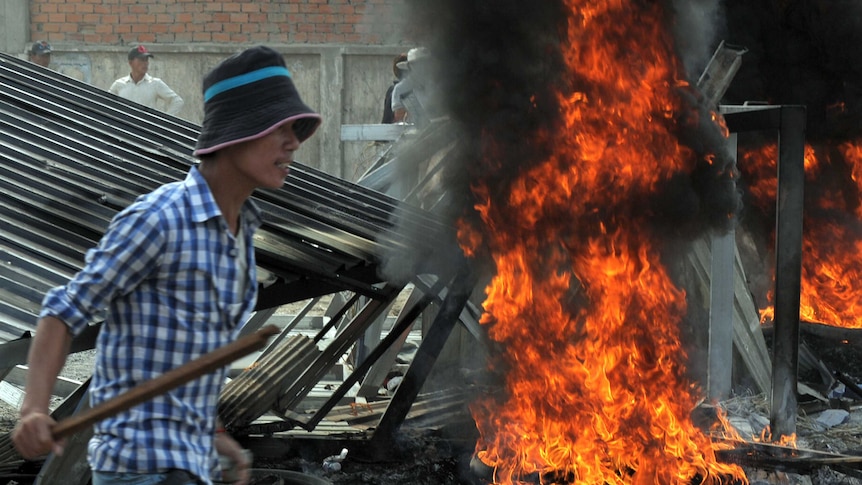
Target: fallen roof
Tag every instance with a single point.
(72, 155)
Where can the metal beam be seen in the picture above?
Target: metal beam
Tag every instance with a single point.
(789, 121)
(459, 293)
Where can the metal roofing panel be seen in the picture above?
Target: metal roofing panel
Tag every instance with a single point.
(72, 155)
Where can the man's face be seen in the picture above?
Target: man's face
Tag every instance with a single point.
(263, 162)
(139, 66)
(41, 59)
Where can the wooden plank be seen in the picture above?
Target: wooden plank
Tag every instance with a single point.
(747, 336)
(720, 355)
(377, 374)
(11, 395)
(373, 132)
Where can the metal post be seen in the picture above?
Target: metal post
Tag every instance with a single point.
(789, 121)
(788, 270)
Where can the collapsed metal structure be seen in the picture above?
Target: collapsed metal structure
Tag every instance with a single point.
(72, 156)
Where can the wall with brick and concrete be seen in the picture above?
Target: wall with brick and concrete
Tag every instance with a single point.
(368, 22)
(339, 52)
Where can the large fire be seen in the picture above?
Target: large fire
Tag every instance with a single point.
(832, 249)
(596, 390)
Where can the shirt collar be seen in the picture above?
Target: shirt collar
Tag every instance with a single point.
(204, 206)
(144, 79)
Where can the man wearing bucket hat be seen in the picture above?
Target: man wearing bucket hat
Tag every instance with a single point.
(144, 89)
(40, 53)
(175, 272)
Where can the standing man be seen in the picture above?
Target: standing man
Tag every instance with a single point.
(176, 273)
(399, 69)
(40, 53)
(414, 96)
(142, 88)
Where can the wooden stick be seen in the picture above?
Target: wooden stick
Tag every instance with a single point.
(169, 380)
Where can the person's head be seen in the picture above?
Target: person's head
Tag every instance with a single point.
(399, 65)
(251, 96)
(40, 53)
(139, 61)
(417, 63)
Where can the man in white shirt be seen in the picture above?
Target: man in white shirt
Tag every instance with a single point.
(142, 88)
(414, 96)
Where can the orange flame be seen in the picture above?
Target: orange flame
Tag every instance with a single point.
(595, 384)
(832, 251)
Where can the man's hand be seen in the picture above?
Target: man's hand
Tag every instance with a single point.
(241, 458)
(33, 438)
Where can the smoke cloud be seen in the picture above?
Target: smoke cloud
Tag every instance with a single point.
(696, 24)
(801, 52)
(500, 68)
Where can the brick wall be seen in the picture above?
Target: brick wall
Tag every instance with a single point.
(113, 22)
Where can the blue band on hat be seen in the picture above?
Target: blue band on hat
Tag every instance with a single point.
(243, 79)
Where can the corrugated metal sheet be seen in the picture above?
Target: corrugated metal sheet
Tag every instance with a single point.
(72, 155)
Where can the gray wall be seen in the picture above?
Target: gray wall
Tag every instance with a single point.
(345, 84)
(14, 25)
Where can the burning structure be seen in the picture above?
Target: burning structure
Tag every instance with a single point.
(588, 157)
(584, 159)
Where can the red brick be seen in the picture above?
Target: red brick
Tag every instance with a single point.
(334, 21)
(249, 28)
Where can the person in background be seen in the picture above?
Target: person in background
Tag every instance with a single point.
(414, 97)
(388, 115)
(142, 88)
(40, 53)
(175, 277)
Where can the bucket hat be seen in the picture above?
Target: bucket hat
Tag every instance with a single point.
(249, 95)
(40, 47)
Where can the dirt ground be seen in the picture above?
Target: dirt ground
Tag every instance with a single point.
(442, 456)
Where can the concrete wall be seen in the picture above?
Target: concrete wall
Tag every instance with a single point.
(340, 53)
(345, 84)
(14, 25)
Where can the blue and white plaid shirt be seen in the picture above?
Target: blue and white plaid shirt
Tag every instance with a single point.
(165, 271)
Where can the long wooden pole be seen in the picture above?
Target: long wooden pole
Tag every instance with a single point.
(173, 378)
